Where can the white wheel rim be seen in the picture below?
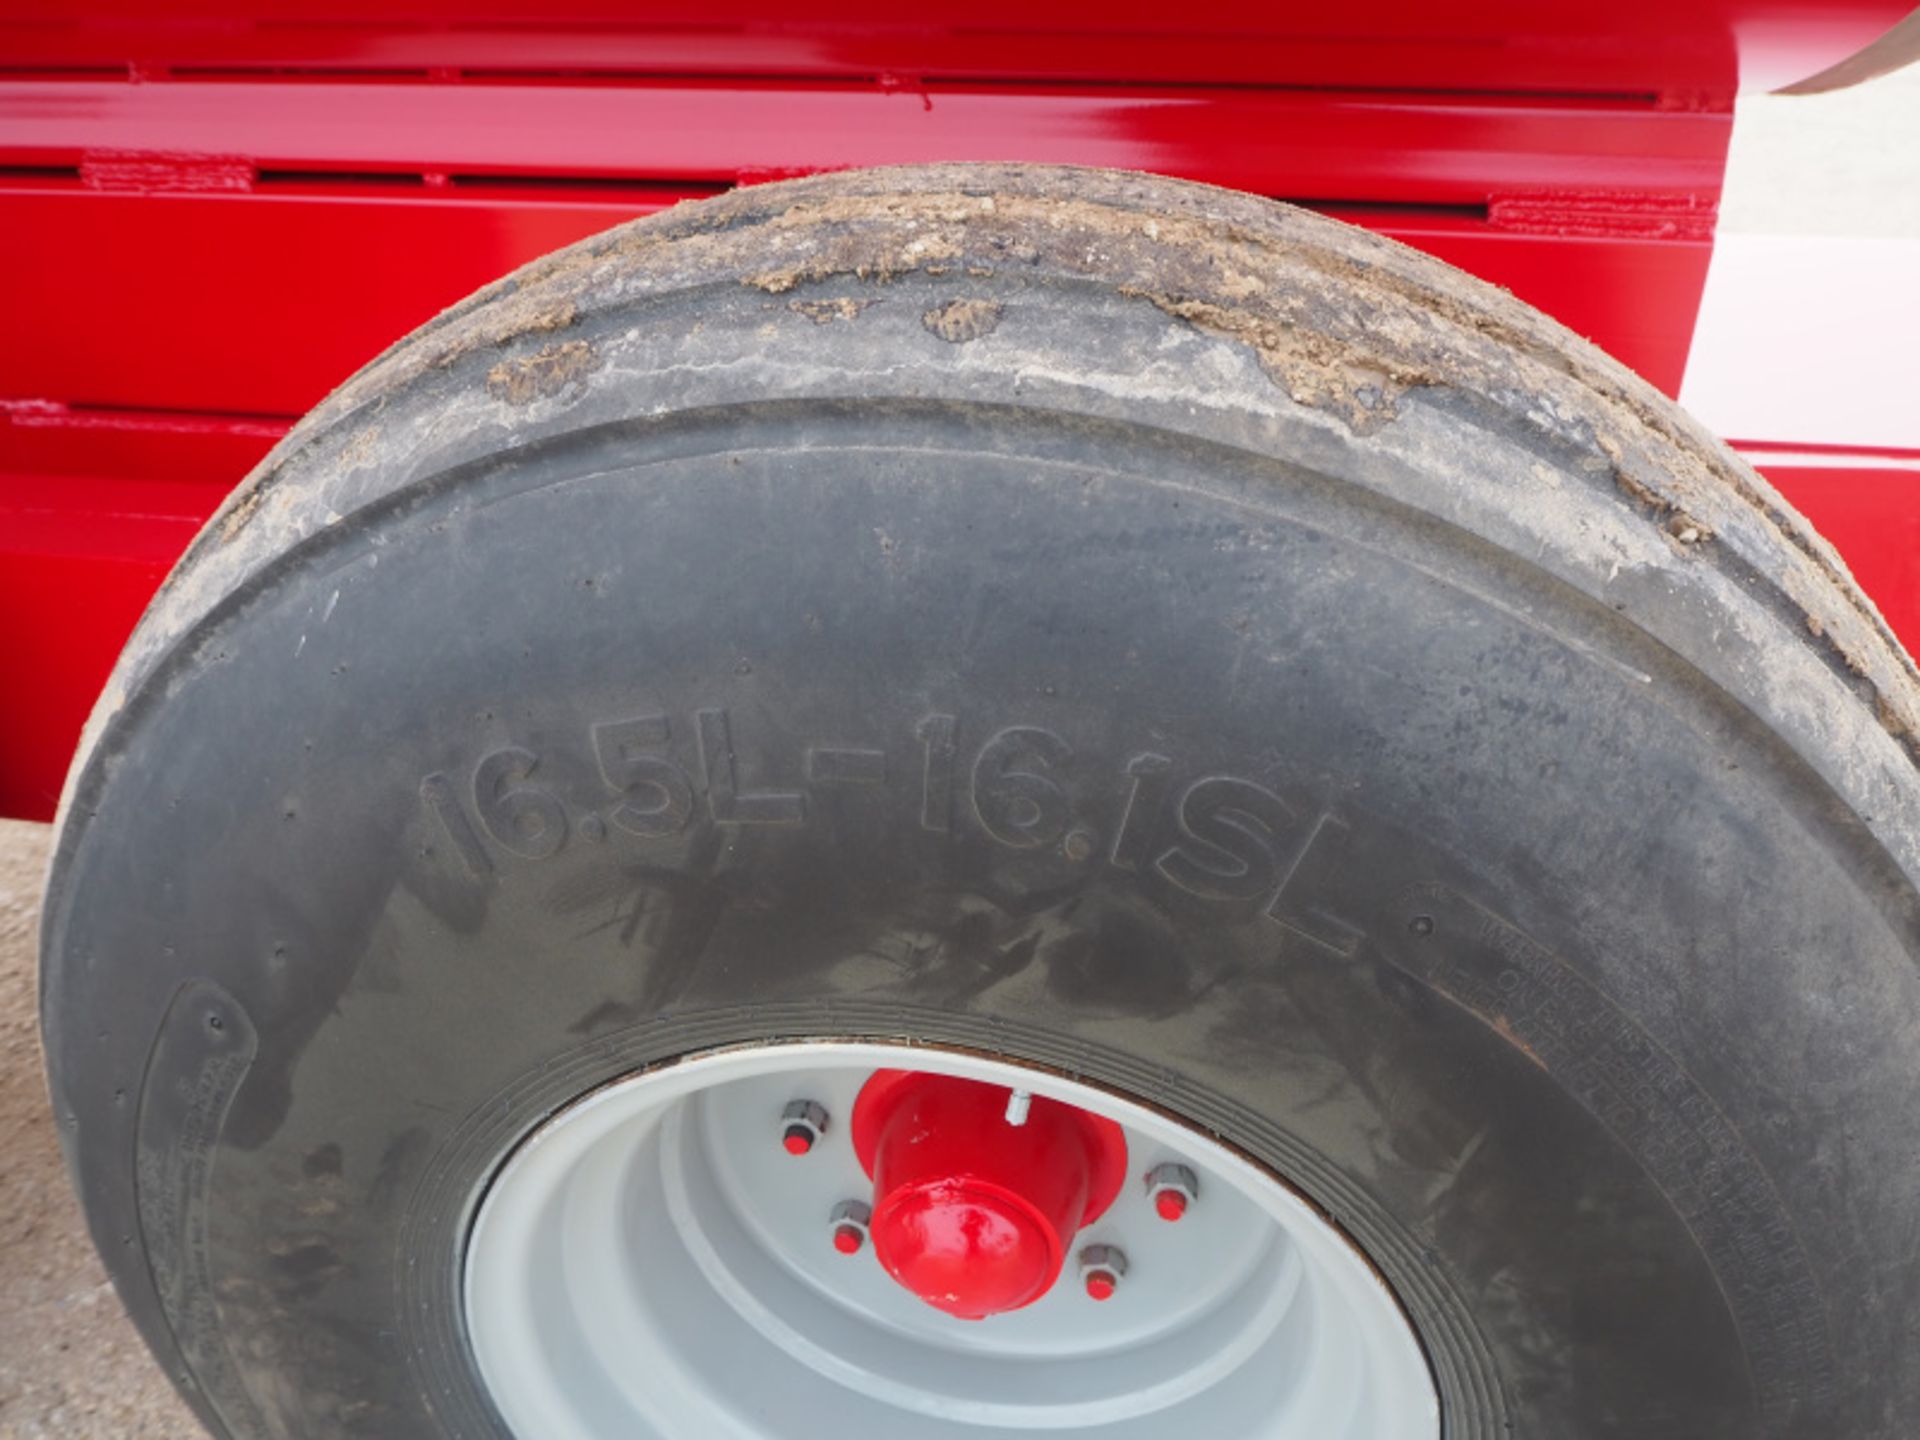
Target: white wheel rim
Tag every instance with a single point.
(650, 1264)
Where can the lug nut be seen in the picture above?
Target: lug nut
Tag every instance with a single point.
(1172, 1188)
(850, 1220)
(802, 1124)
(1102, 1267)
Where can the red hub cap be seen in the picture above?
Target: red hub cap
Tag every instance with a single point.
(972, 1213)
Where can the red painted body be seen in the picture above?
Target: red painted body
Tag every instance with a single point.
(207, 223)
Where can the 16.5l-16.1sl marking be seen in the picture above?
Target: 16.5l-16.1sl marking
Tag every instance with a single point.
(1232, 840)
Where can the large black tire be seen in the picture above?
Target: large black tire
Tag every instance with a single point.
(1118, 624)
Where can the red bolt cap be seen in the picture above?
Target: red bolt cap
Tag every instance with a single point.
(798, 1139)
(1101, 1284)
(847, 1239)
(973, 1214)
(1170, 1204)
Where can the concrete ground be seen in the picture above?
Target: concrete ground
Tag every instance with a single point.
(71, 1367)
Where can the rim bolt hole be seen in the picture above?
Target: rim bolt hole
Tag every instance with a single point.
(802, 1124)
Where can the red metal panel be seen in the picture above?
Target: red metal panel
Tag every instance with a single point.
(1868, 504)
(1640, 46)
(66, 619)
(245, 304)
(94, 509)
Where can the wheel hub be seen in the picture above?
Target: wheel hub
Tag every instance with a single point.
(979, 1189)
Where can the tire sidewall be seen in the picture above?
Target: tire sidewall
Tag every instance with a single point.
(1442, 999)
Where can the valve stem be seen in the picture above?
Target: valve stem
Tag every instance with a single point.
(1018, 1103)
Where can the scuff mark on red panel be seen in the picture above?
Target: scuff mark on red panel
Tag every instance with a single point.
(1608, 214)
(146, 172)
